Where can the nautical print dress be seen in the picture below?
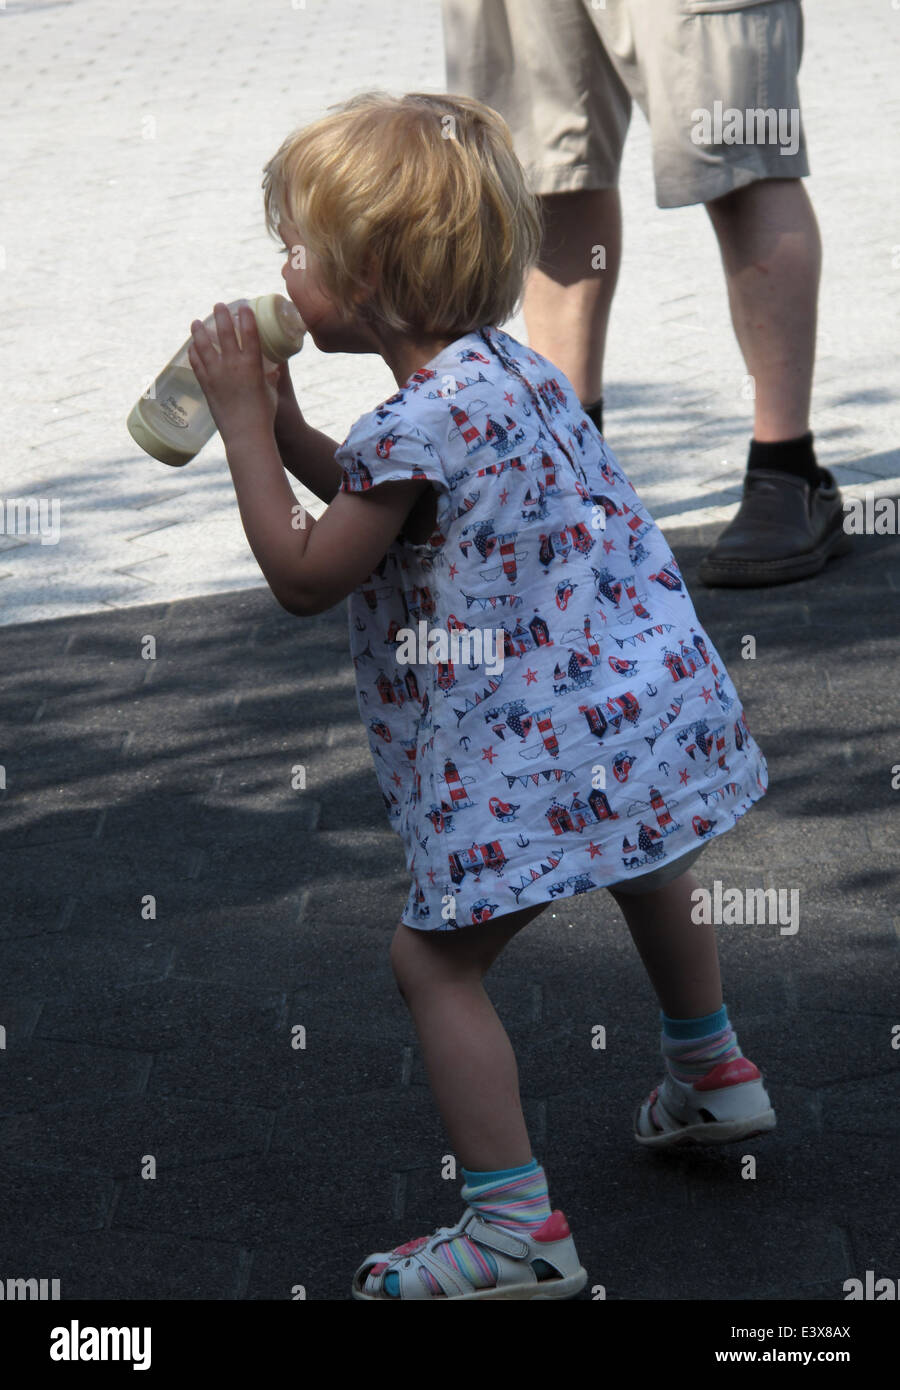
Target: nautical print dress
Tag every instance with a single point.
(608, 738)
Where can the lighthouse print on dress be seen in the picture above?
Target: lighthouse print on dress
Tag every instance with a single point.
(611, 739)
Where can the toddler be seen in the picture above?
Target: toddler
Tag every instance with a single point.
(546, 714)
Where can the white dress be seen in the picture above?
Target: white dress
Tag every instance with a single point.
(545, 712)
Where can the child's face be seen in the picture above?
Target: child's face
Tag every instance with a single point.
(302, 278)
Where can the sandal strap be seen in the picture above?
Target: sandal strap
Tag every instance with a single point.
(449, 1280)
(495, 1239)
(411, 1285)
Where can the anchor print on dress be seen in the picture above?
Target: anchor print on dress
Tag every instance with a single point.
(643, 576)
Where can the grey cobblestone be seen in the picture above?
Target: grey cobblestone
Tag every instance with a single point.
(265, 922)
(153, 134)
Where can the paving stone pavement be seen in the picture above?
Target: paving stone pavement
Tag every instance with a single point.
(129, 1034)
(171, 1035)
(151, 125)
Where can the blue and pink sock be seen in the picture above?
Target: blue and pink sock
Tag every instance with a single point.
(511, 1198)
(693, 1046)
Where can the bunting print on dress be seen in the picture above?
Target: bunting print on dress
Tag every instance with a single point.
(606, 736)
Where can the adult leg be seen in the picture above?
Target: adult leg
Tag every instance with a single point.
(772, 257)
(567, 300)
(468, 1057)
(790, 520)
(543, 66)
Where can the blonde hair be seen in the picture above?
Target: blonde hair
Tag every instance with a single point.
(416, 207)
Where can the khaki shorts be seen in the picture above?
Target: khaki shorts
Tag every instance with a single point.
(716, 80)
(657, 878)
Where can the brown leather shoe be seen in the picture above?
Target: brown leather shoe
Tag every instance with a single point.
(784, 530)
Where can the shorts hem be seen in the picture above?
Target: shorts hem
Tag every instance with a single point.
(728, 179)
(544, 179)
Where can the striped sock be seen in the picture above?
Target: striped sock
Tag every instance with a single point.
(511, 1198)
(693, 1046)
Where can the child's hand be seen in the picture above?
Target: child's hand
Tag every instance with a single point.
(241, 395)
(279, 378)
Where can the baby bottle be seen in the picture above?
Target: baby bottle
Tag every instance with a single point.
(171, 421)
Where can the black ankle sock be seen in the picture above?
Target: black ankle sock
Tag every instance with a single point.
(595, 413)
(795, 456)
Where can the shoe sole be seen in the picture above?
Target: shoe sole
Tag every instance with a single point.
(708, 1131)
(551, 1289)
(755, 574)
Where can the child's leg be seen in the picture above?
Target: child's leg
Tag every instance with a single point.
(468, 1056)
(475, 1082)
(679, 955)
(711, 1093)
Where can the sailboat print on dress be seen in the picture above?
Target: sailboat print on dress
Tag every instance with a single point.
(541, 546)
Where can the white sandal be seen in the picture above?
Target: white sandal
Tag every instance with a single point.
(729, 1103)
(515, 1257)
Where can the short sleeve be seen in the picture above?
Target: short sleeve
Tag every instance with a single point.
(384, 449)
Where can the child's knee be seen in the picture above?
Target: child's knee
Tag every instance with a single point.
(419, 961)
(406, 959)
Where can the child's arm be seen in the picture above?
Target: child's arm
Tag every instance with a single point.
(310, 565)
(306, 453)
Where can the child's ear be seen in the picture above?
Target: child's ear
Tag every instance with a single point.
(371, 274)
